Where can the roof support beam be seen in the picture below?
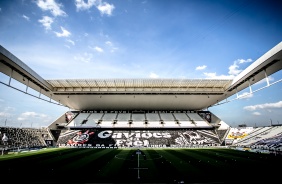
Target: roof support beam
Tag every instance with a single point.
(39, 93)
(266, 77)
(27, 86)
(10, 76)
(251, 91)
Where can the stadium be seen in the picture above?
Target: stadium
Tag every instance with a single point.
(140, 130)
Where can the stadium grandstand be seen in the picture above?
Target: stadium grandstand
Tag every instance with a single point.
(140, 114)
(117, 113)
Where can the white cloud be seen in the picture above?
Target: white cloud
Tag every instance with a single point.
(27, 115)
(26, 17)
(233, 70)
(240, 61)
(201, 67)
(9, 109)
(114, 49)
(256, 113)
(109, 43)
(214, 76)
(98, 49)
(52, 6)
(246, 95)
(64, 33)
(103, 7)
(111, 46)
(5, 114)
(46, 22)
(106, 8)
(70, 41)
(86, 57)
(264, 106)
(81, 5)
(153, 75)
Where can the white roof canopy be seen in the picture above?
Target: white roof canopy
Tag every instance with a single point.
(139, 85)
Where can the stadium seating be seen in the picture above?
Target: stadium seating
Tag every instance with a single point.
(138, 120)
(263, 138)
(19, 138)
(257, 131)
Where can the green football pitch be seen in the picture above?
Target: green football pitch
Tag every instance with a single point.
(87, 165)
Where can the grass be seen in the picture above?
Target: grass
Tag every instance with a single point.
(84, 165)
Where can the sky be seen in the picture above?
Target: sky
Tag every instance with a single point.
(179, 39)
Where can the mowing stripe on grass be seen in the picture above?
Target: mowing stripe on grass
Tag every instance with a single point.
(193, 162)
(168, 168)
(31, 159)
(183, 161)
(114, 165)
(81, 162)
(67, 157)
(210, 158)
(229, 155)
(265, 160)
(147, 172)
(150, 163)
(205, 167)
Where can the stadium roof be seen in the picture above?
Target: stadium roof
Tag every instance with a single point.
(139, 85)
(139, 94)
